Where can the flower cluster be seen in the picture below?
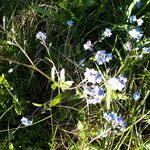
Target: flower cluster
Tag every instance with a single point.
(102, 57)
(133, 19)
(26, 121)
(117, 83)
(136, 33)
(94, 92)
(93, 87)
(116, 121)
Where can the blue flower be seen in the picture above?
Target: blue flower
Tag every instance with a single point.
(95, 94)
(94, 91)
(97, 91)
(107, 116)
(102, 57)
(70, 23)
(133, 19)
(122, 79)
(136, 96)
(26, 121)
(116, 121)
(138, 4)
(41, 36)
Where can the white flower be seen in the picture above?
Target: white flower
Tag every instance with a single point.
(127, 46)
(88, 45)
(139, 22)
(26, 122)
(117, 83)
(133, 19)
(10, 70)
(136, 33)
(41, 36)
(92, 76)
(107, 33)
(141, 56)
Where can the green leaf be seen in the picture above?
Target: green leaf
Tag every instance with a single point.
(75, 97)
(41, 10)
(114, 95)
(11, 147)
(130, 8)
(81, 128)
(56, 100)
(16, 105)
(15, 99)
(17, 108)
(123, 97)
(54, 85)
(109, 93)
(4, 81)
(38, 105)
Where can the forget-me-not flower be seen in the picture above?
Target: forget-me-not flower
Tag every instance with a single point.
(107, 33)
(26, 121)
(117, 83)
(139, 22)
(138, 3)
(116, 121)
(136, 33)
(70, 23)
(94, 91)
(92, 76)
(88, 45)
(128, 46)
(136, 96)
(41, 36)
(95, 94)
(133, 19)
(102, 57)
